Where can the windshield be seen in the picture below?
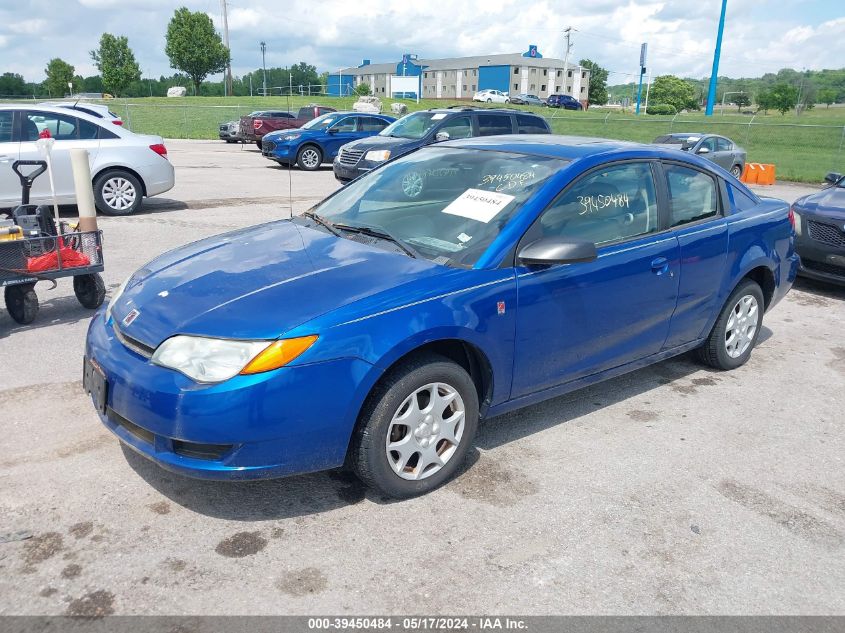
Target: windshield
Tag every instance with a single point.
(447, 204)
(321, 122)
(414, 125)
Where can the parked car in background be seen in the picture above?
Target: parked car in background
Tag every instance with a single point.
(526, 99)
(94, 109)
(429, 126)
(566, 102)
(230, 131)
(820, 231)
(491, 96)
(719, 149)
(319, 140)
(377, 328)
(254, 126)
(125, 166)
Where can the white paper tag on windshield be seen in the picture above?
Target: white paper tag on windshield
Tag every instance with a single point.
(478, 205)
(438, 116)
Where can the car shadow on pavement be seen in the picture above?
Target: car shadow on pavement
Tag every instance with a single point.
(820, 288)
(51, 311)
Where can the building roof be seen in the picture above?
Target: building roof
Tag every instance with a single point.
(454, 63)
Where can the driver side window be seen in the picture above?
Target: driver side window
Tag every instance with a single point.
(459, 127)
(609, 205)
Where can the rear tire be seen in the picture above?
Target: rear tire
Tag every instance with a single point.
(736, 330)
(404, 412)
(117, 192)
(22, 303)
(90, 290)
(736, 171)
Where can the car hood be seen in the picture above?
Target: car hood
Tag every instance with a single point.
(395, 144)
(277, 134)
(257, 283)
(828, 202)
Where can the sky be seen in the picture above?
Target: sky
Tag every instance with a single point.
(760, 35)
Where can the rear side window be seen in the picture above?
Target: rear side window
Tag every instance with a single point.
(531, 124)
(88, 130)
(492, 124)
(6, 118)
(692, 195)
(742, 201)
(372, 124)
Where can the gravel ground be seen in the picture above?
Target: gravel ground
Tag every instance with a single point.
(674, 489)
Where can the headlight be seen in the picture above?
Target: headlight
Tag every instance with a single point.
(216, 360)
(378, 155)
(291, 137)
(797, 221)
(116, 296)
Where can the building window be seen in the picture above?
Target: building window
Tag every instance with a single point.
(516, 70)
(569, 90)
(543, 88)
(516, 86)
(473, 87)
(533, 87)
(533, 71)
(474, 72)
(569, 73)
(582, 89)
(545, 72)
(583, 75)
(558, 73)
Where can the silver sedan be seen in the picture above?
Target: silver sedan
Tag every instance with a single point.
(721, 150)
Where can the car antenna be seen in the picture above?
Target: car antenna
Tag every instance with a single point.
(290, 176)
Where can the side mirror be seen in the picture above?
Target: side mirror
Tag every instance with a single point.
(331, 130)
(702, 150)
(557, 250)
(441, 136)
(833, 178)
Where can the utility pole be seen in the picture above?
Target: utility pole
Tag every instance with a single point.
(643, 53)
(227, 90)
(567, 32)
(800, 89)
(714, 74)
(264, 65)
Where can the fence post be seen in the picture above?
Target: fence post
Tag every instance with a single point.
(186, 120)
(606, 117)
(748, 129)
(128, 116)
(672, 123)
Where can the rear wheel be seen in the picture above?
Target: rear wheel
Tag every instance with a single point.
(736, 171)
(736, 330)
(117, 193)
(489, 100)
(89, 290)
(309, 158)
(22, 303)
(416, 427)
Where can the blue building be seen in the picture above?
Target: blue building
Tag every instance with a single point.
(460, 77)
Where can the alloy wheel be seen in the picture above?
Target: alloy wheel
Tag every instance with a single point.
(119, 193)
(310, 158)
(741, 326)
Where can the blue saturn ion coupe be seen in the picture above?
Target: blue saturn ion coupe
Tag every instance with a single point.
(451, 284)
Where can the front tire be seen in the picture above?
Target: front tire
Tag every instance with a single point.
(22, 303)
(309, 158)
(117, 193)
(736, 330)
(489, 101)
(416, 428)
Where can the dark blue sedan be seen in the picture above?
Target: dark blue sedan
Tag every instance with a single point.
(319, 140)
(820, 227)
(458, 282)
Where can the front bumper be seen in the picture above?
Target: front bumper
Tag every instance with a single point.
(347, 173)
(819, 260)
(279, 151)
(267, 425)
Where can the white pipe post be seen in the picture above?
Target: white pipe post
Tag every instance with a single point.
(84, 189)
(45, 148)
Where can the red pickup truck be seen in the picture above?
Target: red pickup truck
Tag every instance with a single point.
(254, 126)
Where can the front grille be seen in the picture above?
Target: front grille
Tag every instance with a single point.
(350, 157)
(134, 344)
(267, 146)
(826, 233)
(133, 429)
(822, 267)
(210, 452)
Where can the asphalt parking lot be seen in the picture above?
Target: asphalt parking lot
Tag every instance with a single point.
(674, 489)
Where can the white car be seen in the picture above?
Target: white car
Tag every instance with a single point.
(125, 167)
(491, 96)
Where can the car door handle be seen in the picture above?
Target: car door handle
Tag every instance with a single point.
(659, 265)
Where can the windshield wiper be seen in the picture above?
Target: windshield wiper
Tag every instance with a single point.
(378, 233)
(322, 222)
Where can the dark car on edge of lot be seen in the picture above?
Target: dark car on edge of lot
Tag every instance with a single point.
(429, 126)
(319, 140)
(719, 149)
(567, 102)
(820, 231)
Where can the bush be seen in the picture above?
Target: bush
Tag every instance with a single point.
(661, 108)
(362, 89)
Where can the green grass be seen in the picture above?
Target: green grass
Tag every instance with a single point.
(803, 148)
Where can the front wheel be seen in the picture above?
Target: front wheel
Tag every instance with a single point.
(22, 303)
(309, 158)
(90, 290)
(416, 428)
(736, 171)
(117, 193)
(736, 330)
(489, 100)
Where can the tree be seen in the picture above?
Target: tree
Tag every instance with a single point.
(825, 95)
(784, 97)
(765, 100)
(59, 75)
(674, 91)
(194, 47)
(13, 85)
(597, 94)
(742, 101)
(362, 89)
(116, 63)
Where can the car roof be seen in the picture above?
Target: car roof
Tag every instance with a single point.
(55, 109)
(465, 109)
(556, 146)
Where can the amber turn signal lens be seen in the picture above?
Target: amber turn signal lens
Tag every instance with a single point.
(279, 354)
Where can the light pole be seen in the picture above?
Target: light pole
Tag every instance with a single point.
(264, 65)
(714, 73)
